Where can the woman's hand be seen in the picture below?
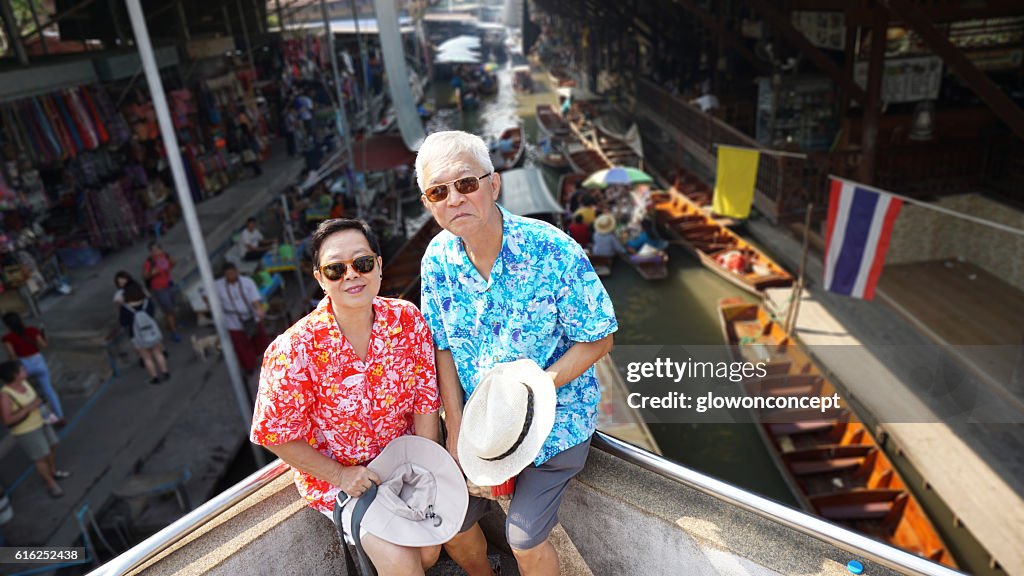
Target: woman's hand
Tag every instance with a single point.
(355, 480)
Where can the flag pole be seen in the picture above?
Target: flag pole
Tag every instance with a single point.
(794, 306)
(765, 151)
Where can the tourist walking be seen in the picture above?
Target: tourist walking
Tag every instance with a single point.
(156, 271)
(25, 344)
(137, 317)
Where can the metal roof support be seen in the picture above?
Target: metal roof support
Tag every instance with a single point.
(13, 33)
(782, 25)
(183, 20)
(873, 105)
(35, 19)
(245, 36)
(712, 23)
(57, 17)
(975, 79)
(188, 210)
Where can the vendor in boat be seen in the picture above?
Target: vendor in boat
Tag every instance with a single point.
(605, 243)
(347, 379)
(497, 288)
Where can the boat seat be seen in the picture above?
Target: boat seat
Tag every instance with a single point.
(861, 511)
(793, 428)
(810, 467)
(771, 280)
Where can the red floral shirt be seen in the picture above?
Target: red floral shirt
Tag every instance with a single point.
(315, 388)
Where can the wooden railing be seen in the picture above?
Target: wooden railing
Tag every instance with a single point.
(785, 186)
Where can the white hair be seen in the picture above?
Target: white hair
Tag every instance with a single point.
(450, 146)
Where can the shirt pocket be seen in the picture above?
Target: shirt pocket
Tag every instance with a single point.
(529, 325)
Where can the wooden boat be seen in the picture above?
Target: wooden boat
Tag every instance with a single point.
(513, 160)
(553, 158)
(720, 249)
(831, 461)
(401, 276)
(550, 122)
(648, 266)
(620, 149)
(584, 159)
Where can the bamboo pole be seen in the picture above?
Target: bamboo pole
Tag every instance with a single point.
(794, 306)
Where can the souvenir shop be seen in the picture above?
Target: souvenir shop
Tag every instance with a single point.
(83, 170)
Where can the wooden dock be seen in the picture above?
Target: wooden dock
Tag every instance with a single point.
(962, 463)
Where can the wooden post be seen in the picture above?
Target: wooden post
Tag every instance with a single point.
(872, 107)
(794, 304)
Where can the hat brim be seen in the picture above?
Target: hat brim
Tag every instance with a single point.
(450, 504)
(604, 227)
(492, 473)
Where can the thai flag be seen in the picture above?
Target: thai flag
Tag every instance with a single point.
(859, 225)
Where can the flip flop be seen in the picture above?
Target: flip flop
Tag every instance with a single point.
(62, 474)
(56, 492)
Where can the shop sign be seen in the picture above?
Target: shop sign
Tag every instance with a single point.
(906, 79)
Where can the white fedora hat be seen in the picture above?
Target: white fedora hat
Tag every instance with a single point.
(422, 497)
(506, 421)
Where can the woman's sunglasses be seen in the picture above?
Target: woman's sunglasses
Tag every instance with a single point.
(466, 185)
(336, 270)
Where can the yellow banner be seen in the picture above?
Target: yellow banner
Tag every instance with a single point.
(734, 184)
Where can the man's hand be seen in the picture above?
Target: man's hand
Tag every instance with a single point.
(355, 480)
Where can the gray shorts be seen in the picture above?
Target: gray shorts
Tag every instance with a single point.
(37, 443)
(165, 298)
(533, 512)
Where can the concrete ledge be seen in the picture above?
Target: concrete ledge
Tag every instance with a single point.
(271, 532)
(621, 518)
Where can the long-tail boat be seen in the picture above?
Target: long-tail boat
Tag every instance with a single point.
(831, 461)
(720, 249)
(401, 274)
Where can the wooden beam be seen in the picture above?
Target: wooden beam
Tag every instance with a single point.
(975, 79)
(824, 63)
(712, 23)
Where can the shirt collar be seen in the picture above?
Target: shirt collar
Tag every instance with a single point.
(383, 322)
(472, 280)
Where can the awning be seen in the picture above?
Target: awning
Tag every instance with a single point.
(524, 192)
(382, 152)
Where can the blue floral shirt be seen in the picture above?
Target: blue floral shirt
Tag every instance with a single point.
(541, 298)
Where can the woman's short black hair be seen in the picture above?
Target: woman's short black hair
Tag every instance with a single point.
(14, 323)
(9, 371)
(330, 227)
(123, 274)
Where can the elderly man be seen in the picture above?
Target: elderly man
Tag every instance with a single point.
(496, 288)
(243, 316)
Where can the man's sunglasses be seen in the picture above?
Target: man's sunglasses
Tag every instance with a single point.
(336, 270)
(467, 185)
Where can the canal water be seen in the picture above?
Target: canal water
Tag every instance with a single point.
(678, 310)
(682, 310)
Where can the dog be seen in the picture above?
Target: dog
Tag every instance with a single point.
(205, 345)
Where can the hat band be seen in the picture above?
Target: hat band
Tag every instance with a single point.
(526, 427)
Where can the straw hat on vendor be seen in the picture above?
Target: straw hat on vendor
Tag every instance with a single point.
(604, 224)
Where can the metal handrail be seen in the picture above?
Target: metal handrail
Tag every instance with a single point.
(842, 538)
(164, 539)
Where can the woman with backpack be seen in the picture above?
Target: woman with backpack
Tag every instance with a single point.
(137, 317)
(24, 344)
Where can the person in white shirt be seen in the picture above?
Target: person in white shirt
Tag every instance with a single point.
(252, 241)
(243, 316)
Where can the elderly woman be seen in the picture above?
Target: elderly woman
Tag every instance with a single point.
(346, 380)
